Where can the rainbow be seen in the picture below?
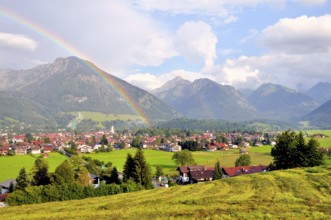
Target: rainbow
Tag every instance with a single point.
(74, 51)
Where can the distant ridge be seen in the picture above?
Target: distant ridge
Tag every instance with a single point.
(281, 103)
(320, 92)
(320, 117)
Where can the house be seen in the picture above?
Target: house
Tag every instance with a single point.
(5, 185)
(95, 180)
(221, 146)
(4, 151)
(173, 147)
(194, 174)
(240, 170)
(84, 148)
(35, 150)
(19, 150)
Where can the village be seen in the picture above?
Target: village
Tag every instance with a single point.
(87, 142)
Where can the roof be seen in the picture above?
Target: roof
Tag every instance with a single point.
(202, 174)
(236, 171)
(7, 182)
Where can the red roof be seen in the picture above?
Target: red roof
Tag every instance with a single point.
(236, 171)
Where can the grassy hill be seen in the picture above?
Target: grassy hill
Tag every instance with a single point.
(290, 194)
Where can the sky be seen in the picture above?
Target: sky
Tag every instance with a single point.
(242, 43)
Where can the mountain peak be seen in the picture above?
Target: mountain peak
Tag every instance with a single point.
(321, 92)
(175, 82)
(280, 102)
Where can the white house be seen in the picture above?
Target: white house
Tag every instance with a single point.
(85, 148)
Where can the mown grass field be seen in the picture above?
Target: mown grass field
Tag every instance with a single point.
(324, 142)
(162, 158)
(291, 194)
(10, 166)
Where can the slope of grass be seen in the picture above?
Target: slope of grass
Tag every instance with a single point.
(101, 117)
(290, 194)
(11, 166)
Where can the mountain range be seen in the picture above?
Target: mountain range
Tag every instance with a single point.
(205, 99)
(49, 94)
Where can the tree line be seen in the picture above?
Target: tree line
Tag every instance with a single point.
(71, 180)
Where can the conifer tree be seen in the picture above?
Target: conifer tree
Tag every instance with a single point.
(114, 176)
(218, 173)
(40, 173)
(128, 168)
(142, 173)
(292, 151)
(22, 181)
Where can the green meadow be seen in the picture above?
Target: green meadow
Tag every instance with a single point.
(162, 158)
(324, 142)
(288, 194)
(10, 166)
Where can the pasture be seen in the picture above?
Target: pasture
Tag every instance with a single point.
(164, 159)
(324, 142)
(287, 194)
(10, 166)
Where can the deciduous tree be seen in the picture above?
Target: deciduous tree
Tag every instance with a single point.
(183, 157)
(243, 160)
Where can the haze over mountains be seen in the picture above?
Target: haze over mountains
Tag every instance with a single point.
(46, 93)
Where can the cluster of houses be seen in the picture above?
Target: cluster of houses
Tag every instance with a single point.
(194, 174)
(90, 141)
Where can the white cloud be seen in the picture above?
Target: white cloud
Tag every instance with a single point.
(221, 8)
(230, 19)
(299, 35)
(16, 41)
(196, 41)
(311, 2)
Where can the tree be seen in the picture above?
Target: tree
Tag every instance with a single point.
(183, 157)
(243, 160)
(128, 168)
(82, 176)
(284, 151)
(218, 173)
(159, 171)
(114, 176)
(292, 150)
(314, 154)
(104, 140)
(142, 172)
(40, 173)
(135, 143)
(28, 137)
(22, 181)
(64, 173)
